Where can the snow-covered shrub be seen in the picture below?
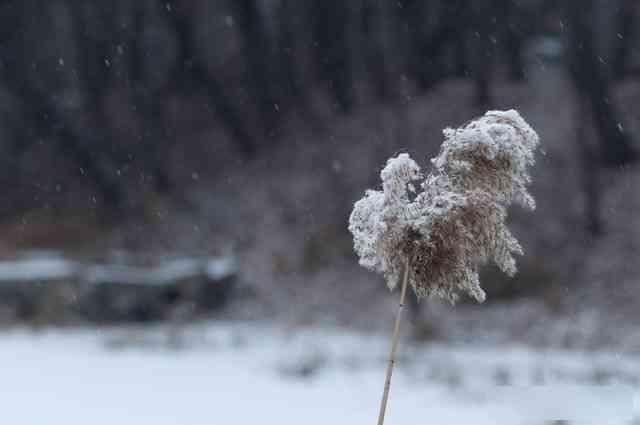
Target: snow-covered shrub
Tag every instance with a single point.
(449, 223)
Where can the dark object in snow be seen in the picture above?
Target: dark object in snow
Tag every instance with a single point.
(55, 290)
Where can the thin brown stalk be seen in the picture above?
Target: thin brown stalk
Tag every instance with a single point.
(394, 346)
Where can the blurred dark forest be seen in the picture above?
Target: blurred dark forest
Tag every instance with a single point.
(258, 122)
(96, 95)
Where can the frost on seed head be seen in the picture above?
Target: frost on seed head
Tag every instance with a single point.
(492, 153)
(455, 220)
(378, 219)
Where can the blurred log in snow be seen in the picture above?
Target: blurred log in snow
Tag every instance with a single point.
(48, 288)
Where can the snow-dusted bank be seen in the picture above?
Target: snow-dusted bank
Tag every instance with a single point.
(52, 267)
(240, 373)
(47, 287)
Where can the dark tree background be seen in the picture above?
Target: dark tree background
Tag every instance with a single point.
(96, 97)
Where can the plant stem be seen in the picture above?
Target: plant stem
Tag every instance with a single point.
(394, 346)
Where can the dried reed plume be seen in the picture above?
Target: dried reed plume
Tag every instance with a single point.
(441, 228)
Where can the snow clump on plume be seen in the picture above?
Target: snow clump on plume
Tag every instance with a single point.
(447, 224)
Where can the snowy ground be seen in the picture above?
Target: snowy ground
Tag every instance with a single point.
(244, 373)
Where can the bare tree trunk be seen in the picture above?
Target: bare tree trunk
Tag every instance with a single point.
(590, 79)
(623, 37)
(190, 70)
(257, 49)
(377, 41)
(332, 50)
(590, 168)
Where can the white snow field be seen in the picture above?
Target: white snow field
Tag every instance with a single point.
(248, 373)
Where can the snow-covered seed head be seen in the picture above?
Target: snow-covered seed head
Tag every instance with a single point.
(397, 177)
(375, 219)
(456, 221)
(492, 153)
